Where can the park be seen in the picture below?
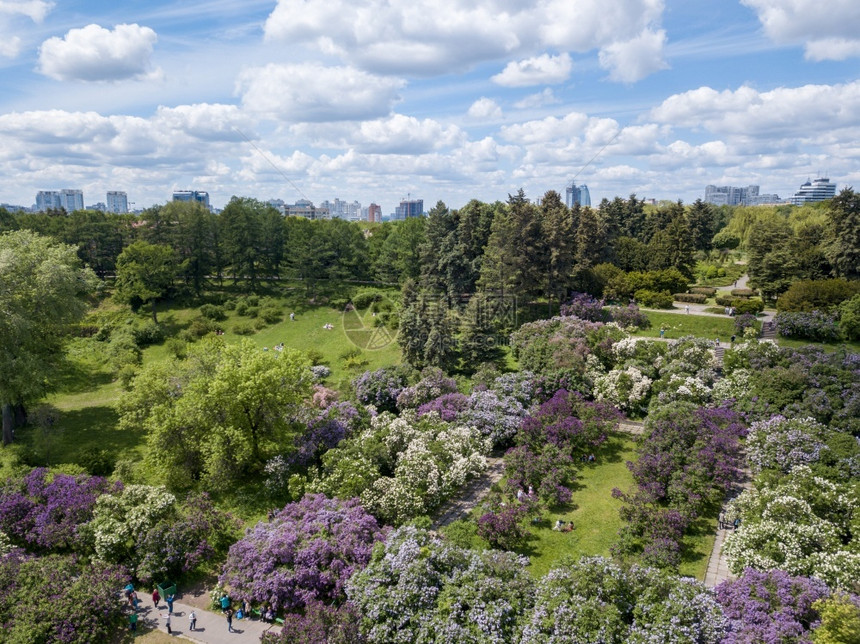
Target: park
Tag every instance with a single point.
(507, 422)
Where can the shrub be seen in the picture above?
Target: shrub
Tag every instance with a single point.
(817, 295)
(747, 306)
(695, 298)
(202, 326)
(241, 307)
(379, 388)
(815, 326)
(584, 306)
(724, 300)
(229, 305)
(744, 321)
(213, 312)
(260, 324)
(243, 328)
(364, 298)
(148, 333)
(177, 348)
(629, 316)
(849, 322)
(97, 461)
(654, 299)
(271, 314)
(306, 553)
(710, 291)
(743, 292)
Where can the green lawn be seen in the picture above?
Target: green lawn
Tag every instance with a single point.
(595, 515)
(86, 391)
(678, 325)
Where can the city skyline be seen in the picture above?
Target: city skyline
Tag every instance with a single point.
(291, 99)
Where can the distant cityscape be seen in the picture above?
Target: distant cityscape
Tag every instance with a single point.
(116, 201)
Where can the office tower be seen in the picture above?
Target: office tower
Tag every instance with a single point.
(374, 213)
(47, 200)
(117, 202)
(409, 208)
(811, 191)
(192, 195)
(577, 195)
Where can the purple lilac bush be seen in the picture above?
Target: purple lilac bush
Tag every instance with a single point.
(44, 512)
(689, 458)
(816, 326)
(770, 606)
(379, 388)
(324, 430)
(319, 624)
(433, 383)
(585, 307)
(306, 553)
(629, 316)
(448, 406)
(59, 599)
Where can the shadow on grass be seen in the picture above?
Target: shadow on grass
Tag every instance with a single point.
(701, 527)
(92, 427)
(74, 377)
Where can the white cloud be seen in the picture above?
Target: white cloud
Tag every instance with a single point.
(636, 58)
(94, 53)
(315, 93)
(10, 11)
(545, 130)
(827, 30)
(546, 97)
(427, 37)
(485, 109)
(785, 111)
(540, 70)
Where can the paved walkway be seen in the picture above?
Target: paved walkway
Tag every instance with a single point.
(211, 627)
(718, 567)
(471, 495)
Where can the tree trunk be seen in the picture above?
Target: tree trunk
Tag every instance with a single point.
(8, 422)
(154, 318)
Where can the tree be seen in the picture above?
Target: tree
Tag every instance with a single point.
(479, 337)
(218, 414)
(558, 232)
(145, 272)
(701, 218)
(671, 245)
(196, 241)
(241, 226)
(42, 285)
(844, 248)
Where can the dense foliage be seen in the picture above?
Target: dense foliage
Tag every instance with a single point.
(306, 553)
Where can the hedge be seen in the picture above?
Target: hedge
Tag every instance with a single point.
(710, 291)
(743, 292)
(654, 299)
(695, 298)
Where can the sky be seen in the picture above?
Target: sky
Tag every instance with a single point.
(381, 100)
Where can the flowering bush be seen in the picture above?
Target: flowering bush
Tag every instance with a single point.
(585, 307)
(306, 553)
(44, 511)
(629, 317)
(799, 523)
(447, 406)
(433, 384)
(628, 389)
(743, 322)
(782, 443)
(495, 416)
(687, 461)
(557, 344)
(817, 326)
(324, 430)
(594, 600)
(403, 467)
(770, 606)
(323, 397)
(319, 624)
(195, 534)
(502, 528)
(320, 372)
(379, 388)
(421, 589)
(57, 599)
(520, 385)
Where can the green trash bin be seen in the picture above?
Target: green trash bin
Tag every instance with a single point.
(167, 588)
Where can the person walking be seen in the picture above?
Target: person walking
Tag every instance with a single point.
(170, 598)
(229, 615)
(156, 597)
(192, 620)
(687, 309)
(167, 623)
(132, 622)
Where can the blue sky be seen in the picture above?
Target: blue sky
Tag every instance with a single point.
(374, 100)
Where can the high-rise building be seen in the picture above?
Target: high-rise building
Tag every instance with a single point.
(306, 208)
(72, 200)
(117, 202)
(811, 191)
(577, 195)
(192, 195)
(409, 208)
(731, 195)
(47, 200)
(374, 213)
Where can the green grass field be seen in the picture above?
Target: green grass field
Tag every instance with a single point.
(678, 325)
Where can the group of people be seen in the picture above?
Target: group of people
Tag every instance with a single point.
(563, 526)
(328, 326)
(725, 524)
(133, 601)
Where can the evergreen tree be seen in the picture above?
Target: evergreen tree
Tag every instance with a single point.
(559, 236)
(479, 337)
(843, 250)
(702, 219)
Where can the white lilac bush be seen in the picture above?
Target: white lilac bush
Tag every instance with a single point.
(628, 389)
(403, 467)
(781, 443)
(800, 523)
